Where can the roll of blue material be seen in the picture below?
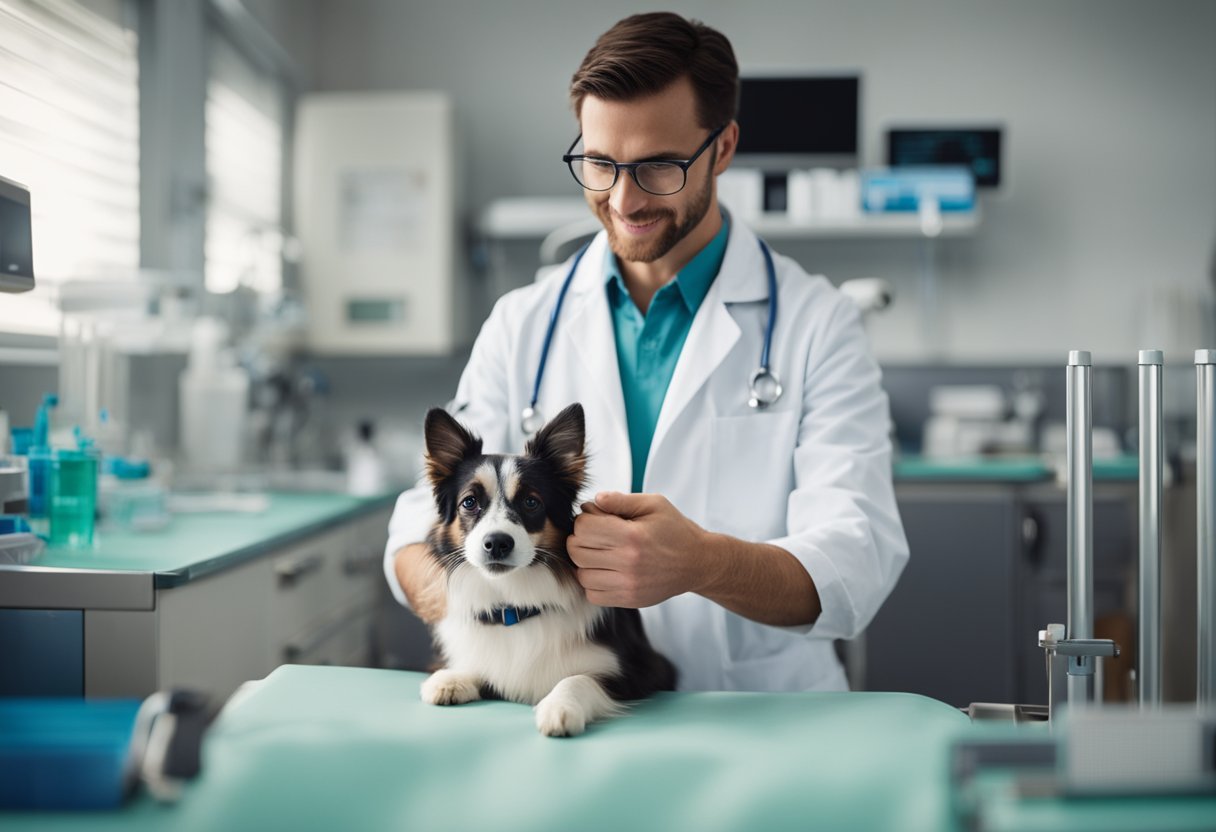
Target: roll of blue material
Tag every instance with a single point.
(59, 754)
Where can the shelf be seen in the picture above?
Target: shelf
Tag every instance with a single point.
(533, 218)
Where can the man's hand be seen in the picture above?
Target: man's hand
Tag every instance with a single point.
(422, 580)
(636, 550)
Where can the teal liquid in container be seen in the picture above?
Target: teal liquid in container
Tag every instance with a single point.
(72, 503)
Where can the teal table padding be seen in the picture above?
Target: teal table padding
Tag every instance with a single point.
(194, 545)
(314, 748)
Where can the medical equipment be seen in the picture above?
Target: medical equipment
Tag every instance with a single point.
(764, 386)
(1076, 641)
(1003, 777)
(979, 148)
(1148, 672)
(376, 202)
(70, 753)
(16, 238)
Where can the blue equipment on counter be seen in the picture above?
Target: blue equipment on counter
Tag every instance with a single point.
(905, 189)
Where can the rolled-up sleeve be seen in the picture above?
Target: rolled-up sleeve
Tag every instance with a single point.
(843, 523)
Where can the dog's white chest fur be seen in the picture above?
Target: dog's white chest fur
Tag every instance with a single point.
(525, 661)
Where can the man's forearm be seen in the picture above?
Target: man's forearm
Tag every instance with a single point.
(422, 580)
(759, 581)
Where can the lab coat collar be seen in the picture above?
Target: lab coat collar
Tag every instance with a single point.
(743, 275)
(713, 335)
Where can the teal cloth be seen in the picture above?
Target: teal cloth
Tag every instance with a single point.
(325, 748)
(648, 346)
(336, 748)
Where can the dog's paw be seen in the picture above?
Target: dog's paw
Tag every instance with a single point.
(447, 687)
(560, 716)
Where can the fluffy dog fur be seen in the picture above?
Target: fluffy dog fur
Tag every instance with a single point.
(501, 540)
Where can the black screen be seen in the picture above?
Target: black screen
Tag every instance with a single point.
(799, 116)
(976, 148)
(16, 246)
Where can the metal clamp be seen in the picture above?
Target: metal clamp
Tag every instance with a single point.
(1081, 652)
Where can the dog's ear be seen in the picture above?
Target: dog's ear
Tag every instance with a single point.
(561, 444)
(447, 444)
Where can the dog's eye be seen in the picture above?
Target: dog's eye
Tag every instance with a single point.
(531, 503)
(469, 503)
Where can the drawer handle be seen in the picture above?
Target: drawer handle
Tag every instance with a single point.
(294, 651)
(356, 565)
(292, 571)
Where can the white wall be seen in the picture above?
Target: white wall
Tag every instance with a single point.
(1110, 108)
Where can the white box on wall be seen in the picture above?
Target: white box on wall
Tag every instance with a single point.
(376, 210)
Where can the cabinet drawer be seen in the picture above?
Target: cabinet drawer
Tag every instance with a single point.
(307, 584)
(343, 639)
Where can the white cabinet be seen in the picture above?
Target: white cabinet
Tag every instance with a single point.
(376, 210)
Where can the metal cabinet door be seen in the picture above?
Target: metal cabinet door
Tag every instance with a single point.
(946, 630)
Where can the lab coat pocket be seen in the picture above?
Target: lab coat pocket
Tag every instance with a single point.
(752, 473)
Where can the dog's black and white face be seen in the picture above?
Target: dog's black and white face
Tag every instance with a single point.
(502, 513)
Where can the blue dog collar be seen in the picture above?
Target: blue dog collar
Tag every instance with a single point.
(507, 615)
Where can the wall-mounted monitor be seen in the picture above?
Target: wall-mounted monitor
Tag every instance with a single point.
(16, 238)
(797, 121)
(978, 148)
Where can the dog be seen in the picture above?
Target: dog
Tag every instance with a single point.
(517, 624)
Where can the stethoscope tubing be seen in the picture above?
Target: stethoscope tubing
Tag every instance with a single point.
(770, 269)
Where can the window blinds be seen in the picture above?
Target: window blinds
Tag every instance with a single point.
(69, 131)
(245, 131)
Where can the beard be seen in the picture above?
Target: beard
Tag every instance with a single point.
(673, 228)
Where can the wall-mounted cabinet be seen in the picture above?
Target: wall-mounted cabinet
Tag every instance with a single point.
(376, 207)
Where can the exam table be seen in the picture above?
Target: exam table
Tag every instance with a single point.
(353, 748)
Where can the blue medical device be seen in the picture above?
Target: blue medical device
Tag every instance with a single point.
(764, 387)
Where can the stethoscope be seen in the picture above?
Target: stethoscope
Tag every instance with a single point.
(764, 388)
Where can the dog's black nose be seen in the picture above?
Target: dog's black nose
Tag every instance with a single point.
(498, 545)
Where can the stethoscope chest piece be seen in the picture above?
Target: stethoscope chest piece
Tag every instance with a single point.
(765, 388)
(531, 421)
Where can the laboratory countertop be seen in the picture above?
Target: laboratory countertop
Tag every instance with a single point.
(198, 544)
(1018, 469)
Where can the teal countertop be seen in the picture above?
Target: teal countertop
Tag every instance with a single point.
(194, 545)
(1022, 469)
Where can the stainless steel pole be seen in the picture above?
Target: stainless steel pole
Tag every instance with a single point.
(1148, 674)
(1080, 514)
(1205, 487)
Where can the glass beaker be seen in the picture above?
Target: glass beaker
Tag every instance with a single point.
(73, 497)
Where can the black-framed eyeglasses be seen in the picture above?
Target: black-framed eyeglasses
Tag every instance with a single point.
(661, 177)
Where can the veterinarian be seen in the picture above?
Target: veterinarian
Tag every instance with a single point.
(740, 490)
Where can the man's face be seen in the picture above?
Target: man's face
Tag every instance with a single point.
(643, 227)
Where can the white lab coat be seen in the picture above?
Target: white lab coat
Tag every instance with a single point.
(810, 474)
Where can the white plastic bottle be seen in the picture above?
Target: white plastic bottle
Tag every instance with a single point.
(365, 475)
(214, 402)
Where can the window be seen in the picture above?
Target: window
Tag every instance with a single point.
(69, 131)
(245, 133)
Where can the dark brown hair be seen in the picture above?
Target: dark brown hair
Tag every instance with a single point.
(646, 53)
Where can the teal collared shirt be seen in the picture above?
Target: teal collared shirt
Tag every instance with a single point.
(648, 346)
